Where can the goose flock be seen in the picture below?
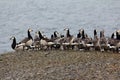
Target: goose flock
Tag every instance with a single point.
(66, 42)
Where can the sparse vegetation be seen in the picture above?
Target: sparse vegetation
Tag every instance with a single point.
(60, 65)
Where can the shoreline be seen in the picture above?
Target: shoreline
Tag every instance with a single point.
(59, 65)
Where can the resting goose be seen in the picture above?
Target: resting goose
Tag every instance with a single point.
(16, 46)
(28, 41)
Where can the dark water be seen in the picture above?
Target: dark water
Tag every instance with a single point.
(16, 16)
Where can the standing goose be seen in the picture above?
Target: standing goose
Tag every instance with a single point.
(118, 35)
(88, 43)
(28, 41)
(102, 35)
(84, 40)
(118, 41)
(95, 33)
(55, 35)
(45, 42)
(83, 34)
(36, 42)
(79, 35)
(96, 43)
(112, 42)
(15, 45)
(112, 36)
(56, 39)
(67, 32)
(68, 40)
(103, 41)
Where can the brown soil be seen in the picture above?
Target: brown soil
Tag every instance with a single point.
(59, 65)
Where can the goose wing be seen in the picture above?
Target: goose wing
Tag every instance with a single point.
(24, 40)
(48, 40)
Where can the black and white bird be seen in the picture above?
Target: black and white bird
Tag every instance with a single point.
(28, 41)
(16, 46)
(55, 36)
(79, 35)
(44, 41)
(118, 34)
(36, 41)
(95, 33)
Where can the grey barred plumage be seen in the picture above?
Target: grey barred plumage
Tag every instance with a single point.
(81, 41)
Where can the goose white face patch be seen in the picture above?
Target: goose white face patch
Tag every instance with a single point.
(30, 30)
(12, 38)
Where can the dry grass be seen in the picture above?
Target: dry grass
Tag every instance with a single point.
(59, 65)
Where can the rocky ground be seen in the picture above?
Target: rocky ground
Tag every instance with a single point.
(59, 65)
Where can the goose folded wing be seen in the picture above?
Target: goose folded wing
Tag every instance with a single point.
(24, 40)
(19, 45)
(48, 40)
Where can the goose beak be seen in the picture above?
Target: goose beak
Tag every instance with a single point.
(10, 38)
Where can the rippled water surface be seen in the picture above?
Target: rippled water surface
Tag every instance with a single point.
(16, 16)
